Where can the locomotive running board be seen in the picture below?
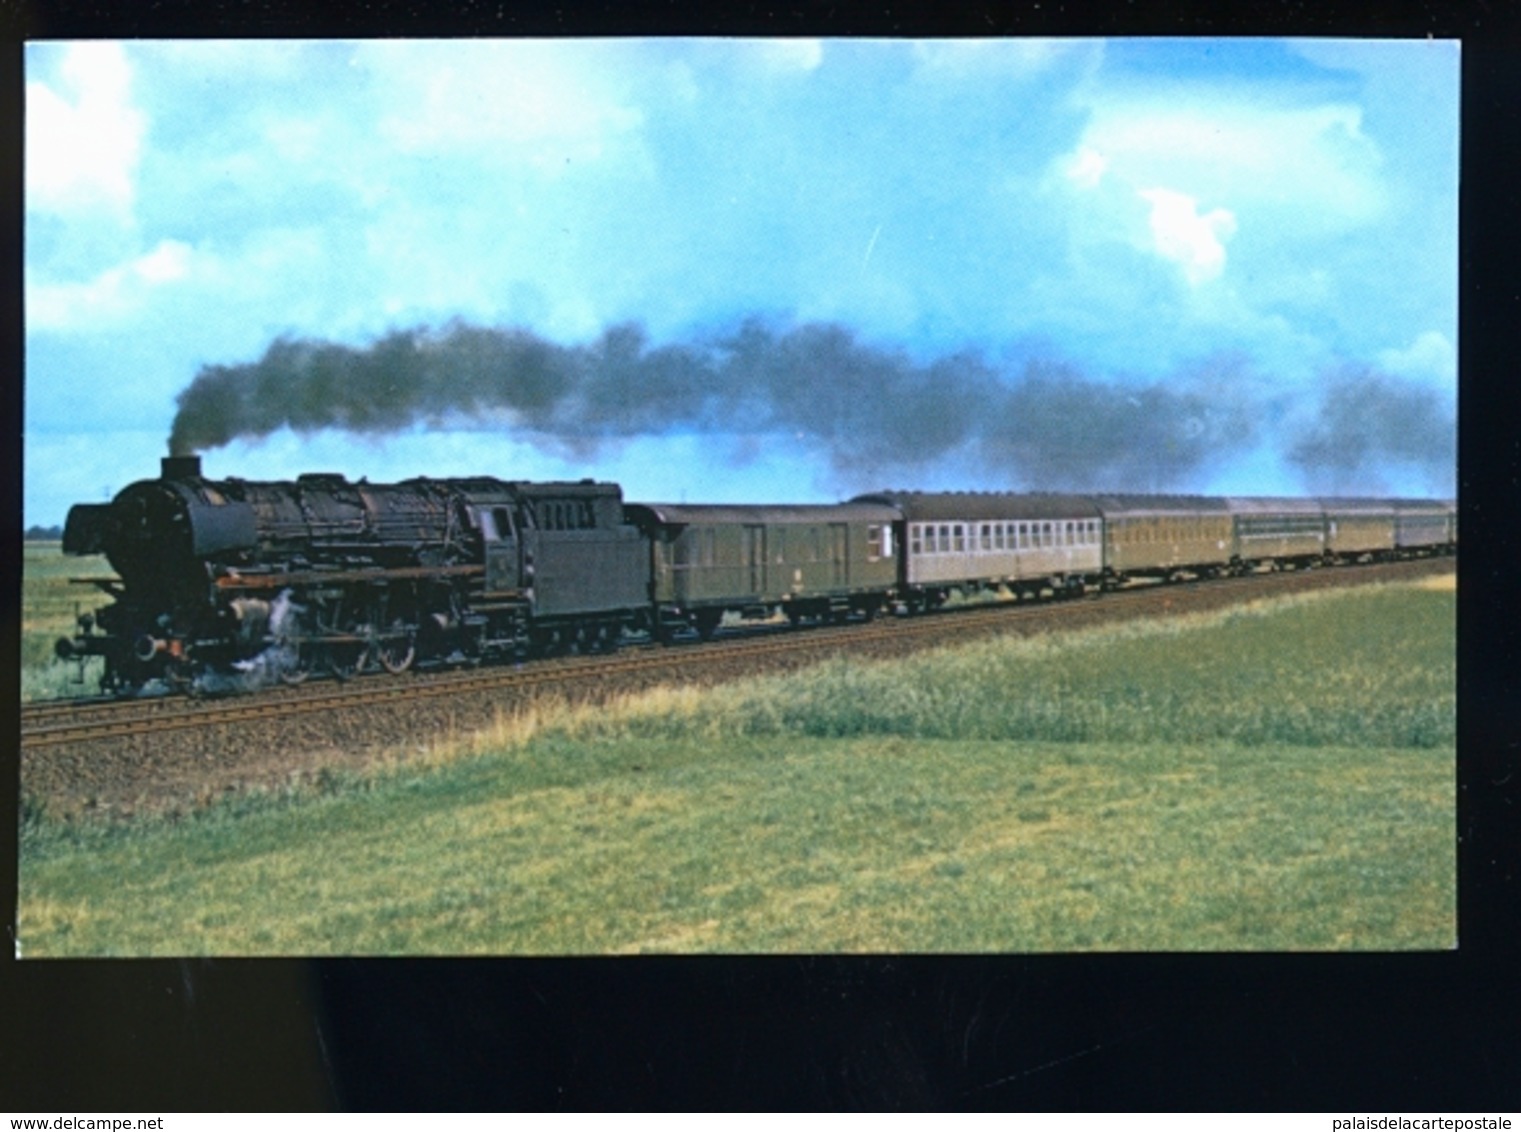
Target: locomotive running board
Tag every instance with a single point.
(324, 577)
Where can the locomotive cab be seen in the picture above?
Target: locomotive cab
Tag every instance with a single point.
(499, 546)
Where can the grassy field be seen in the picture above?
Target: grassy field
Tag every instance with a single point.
(49, 604)
(1279, 776)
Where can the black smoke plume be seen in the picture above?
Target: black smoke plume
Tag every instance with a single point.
(1371, 426)
(876, 414)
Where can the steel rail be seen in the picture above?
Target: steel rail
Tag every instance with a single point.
(65, 722)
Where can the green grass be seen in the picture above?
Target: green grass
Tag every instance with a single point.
(1278, 777)
(49, 605)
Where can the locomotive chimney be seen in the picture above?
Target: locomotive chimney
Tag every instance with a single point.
(181, 467)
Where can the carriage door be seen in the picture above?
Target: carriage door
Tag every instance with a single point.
(839, 554)
(755, 557)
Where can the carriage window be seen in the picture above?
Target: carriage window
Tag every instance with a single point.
(943, 546)
(960, 535)
(916, 538)
(987, 537)
(488, 525)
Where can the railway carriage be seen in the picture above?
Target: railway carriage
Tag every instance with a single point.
(1422, 526)
(969, 541)
(807, 562)
(1358, 528)
(1165, 536)
(1277, 532)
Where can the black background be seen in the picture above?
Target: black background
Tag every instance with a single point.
(1340, 1033)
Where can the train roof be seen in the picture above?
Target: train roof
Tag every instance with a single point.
(685, 514)
(1356, 505)
(1147, 505)
(926, 506)
(1431, 506)
(1273, 505)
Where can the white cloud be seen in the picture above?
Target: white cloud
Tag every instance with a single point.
(83, 140)
(1180, 234)
(546, 102)
(1431, 355)
(1086, 168)
(111, 296)
(1314, 161)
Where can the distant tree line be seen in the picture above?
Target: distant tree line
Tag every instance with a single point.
(42, 534)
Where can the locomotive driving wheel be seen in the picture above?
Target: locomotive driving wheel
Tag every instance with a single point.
(297, 671)
(396, 649)
(345, 660)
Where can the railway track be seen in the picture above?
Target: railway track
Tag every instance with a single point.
(65, 723)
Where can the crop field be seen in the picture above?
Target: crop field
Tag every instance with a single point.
(49, 605)
(1278, 776)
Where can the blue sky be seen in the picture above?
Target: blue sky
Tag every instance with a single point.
(1213, 265)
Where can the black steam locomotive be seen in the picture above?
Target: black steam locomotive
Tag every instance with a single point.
(325, 575)
(228, 584)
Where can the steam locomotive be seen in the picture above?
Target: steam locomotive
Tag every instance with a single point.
(226, 584)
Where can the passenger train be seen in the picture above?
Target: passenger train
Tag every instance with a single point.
(325, 575)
